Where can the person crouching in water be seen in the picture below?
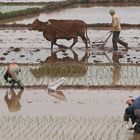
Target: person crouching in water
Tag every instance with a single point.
(12, 73)
(132, 111)
(116, 29)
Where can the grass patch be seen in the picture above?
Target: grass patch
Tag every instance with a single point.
(18, 13)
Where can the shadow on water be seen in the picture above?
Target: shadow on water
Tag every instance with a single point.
(12, 100)
(66, 66)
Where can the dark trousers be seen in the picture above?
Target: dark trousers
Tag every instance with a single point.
(132, 117)
(116, 39)
(13, 82)
(133, 114)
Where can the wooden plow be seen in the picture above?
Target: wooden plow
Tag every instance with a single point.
(100, 42)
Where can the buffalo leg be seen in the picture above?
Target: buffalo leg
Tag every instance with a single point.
(74, 42)
(85, 40)
(53, 42)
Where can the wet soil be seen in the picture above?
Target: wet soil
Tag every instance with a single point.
(23, 46)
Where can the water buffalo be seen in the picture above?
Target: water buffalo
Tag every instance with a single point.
(61, 29)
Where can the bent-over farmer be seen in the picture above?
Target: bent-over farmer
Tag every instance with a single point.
(12, 73)
(132, 111)
(116, 29)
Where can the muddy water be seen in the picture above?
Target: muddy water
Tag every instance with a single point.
(87, 114)
(23, 46)
(88, 14)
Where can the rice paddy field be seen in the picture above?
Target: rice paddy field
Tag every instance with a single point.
(98, 81)
(85, 114)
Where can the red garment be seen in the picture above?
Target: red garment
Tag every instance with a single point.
(8, 71)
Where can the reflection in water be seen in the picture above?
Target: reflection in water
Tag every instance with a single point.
(54, 58)
(57, 94)
(13, 102)
(116, 56)
(117, 68)
(53, 91)
(136, 136)
(66, 66)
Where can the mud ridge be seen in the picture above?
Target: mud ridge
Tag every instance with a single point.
(89, 64)
(64, 87)
(100, 26)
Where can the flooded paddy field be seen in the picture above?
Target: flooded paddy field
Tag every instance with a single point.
(85, 114)
(24, 46)
(81, 67)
